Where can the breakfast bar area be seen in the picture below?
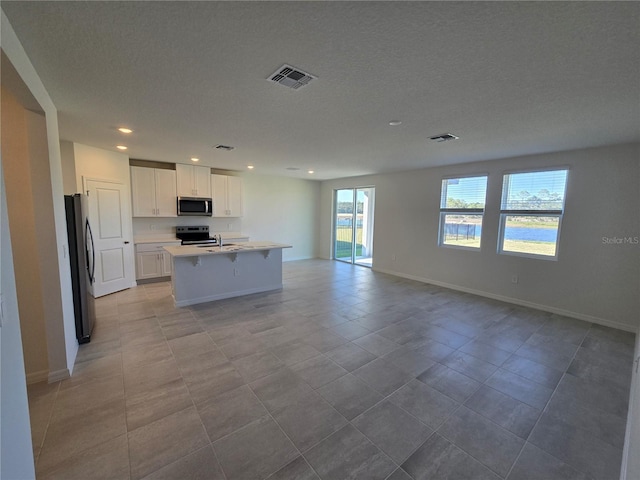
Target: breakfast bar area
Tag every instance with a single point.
(203, 273)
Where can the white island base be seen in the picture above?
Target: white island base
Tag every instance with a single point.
(203, 275)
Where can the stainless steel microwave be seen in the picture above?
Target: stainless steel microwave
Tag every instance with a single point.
(192, 206)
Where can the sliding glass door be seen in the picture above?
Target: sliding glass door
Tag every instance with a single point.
(353, 225)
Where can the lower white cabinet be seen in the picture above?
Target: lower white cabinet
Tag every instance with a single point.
(152, 261)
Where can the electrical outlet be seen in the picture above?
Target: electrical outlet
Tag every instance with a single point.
(393, 257)
(236, 272)
(229, 226)
(514, 278)
(152, 227)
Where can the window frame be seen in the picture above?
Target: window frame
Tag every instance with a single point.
(505, 213)
(444, 211)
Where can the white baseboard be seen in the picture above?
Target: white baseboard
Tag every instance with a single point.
(296, 259)
(516, 301)
(37, 377)
(58, 375)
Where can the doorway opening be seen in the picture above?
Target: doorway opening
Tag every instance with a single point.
(353, 225)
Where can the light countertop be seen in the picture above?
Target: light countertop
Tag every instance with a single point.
(193, 250)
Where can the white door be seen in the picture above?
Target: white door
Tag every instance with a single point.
(111, 237)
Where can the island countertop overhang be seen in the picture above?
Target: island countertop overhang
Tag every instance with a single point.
(202, 250)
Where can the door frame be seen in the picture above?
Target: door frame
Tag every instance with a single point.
(354, 222)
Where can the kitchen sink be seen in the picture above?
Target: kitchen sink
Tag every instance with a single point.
(208, 245)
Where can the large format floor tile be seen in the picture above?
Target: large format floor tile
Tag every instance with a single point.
(348, 454)
(346, 373)
(392, 430)
(254, 451)
(439, 459)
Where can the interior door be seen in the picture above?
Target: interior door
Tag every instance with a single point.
(111, 236)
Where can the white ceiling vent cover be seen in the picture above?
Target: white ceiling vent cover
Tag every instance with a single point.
(291, 77)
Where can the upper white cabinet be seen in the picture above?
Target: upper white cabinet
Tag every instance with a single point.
(227, 196)
(153, 192)
(193, 181)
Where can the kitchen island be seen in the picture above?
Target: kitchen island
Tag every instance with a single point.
(203, 273)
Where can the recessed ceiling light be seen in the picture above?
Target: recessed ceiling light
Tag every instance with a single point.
(125, 130)
(311, 171)
(121, 147)
(395, 123)
(250, 167)
(194, 159)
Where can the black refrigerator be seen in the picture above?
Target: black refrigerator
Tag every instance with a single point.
(82, 261)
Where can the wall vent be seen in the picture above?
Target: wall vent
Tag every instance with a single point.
(445, 137)
(291, 77)
(226, 148)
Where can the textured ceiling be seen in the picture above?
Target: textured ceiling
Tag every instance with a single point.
(509, 78)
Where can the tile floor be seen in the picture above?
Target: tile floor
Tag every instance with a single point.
(346, 373)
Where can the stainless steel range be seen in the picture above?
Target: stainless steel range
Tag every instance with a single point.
(197, 235)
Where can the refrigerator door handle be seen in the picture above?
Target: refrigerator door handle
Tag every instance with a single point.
(91, 266)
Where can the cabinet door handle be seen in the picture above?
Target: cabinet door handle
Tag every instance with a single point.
(126, 242)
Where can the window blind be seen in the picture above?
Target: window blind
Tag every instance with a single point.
(534, 191)
(463, 193)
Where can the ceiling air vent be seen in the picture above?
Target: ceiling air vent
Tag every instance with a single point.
(445, 137)
(226, 148)
(291, 77)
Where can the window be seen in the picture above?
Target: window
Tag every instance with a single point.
(461, 211)
(531, 213)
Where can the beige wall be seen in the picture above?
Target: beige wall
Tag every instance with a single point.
(284, 210)
(21, 79)
(96, 163)
(591, 280)
(16, 126)
(68, 168)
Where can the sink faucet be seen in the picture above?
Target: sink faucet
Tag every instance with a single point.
(219, 238)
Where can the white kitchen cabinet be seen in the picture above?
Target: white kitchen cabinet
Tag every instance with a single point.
(152, 260)
(153, 192)
(226, 192)
(193, 181)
